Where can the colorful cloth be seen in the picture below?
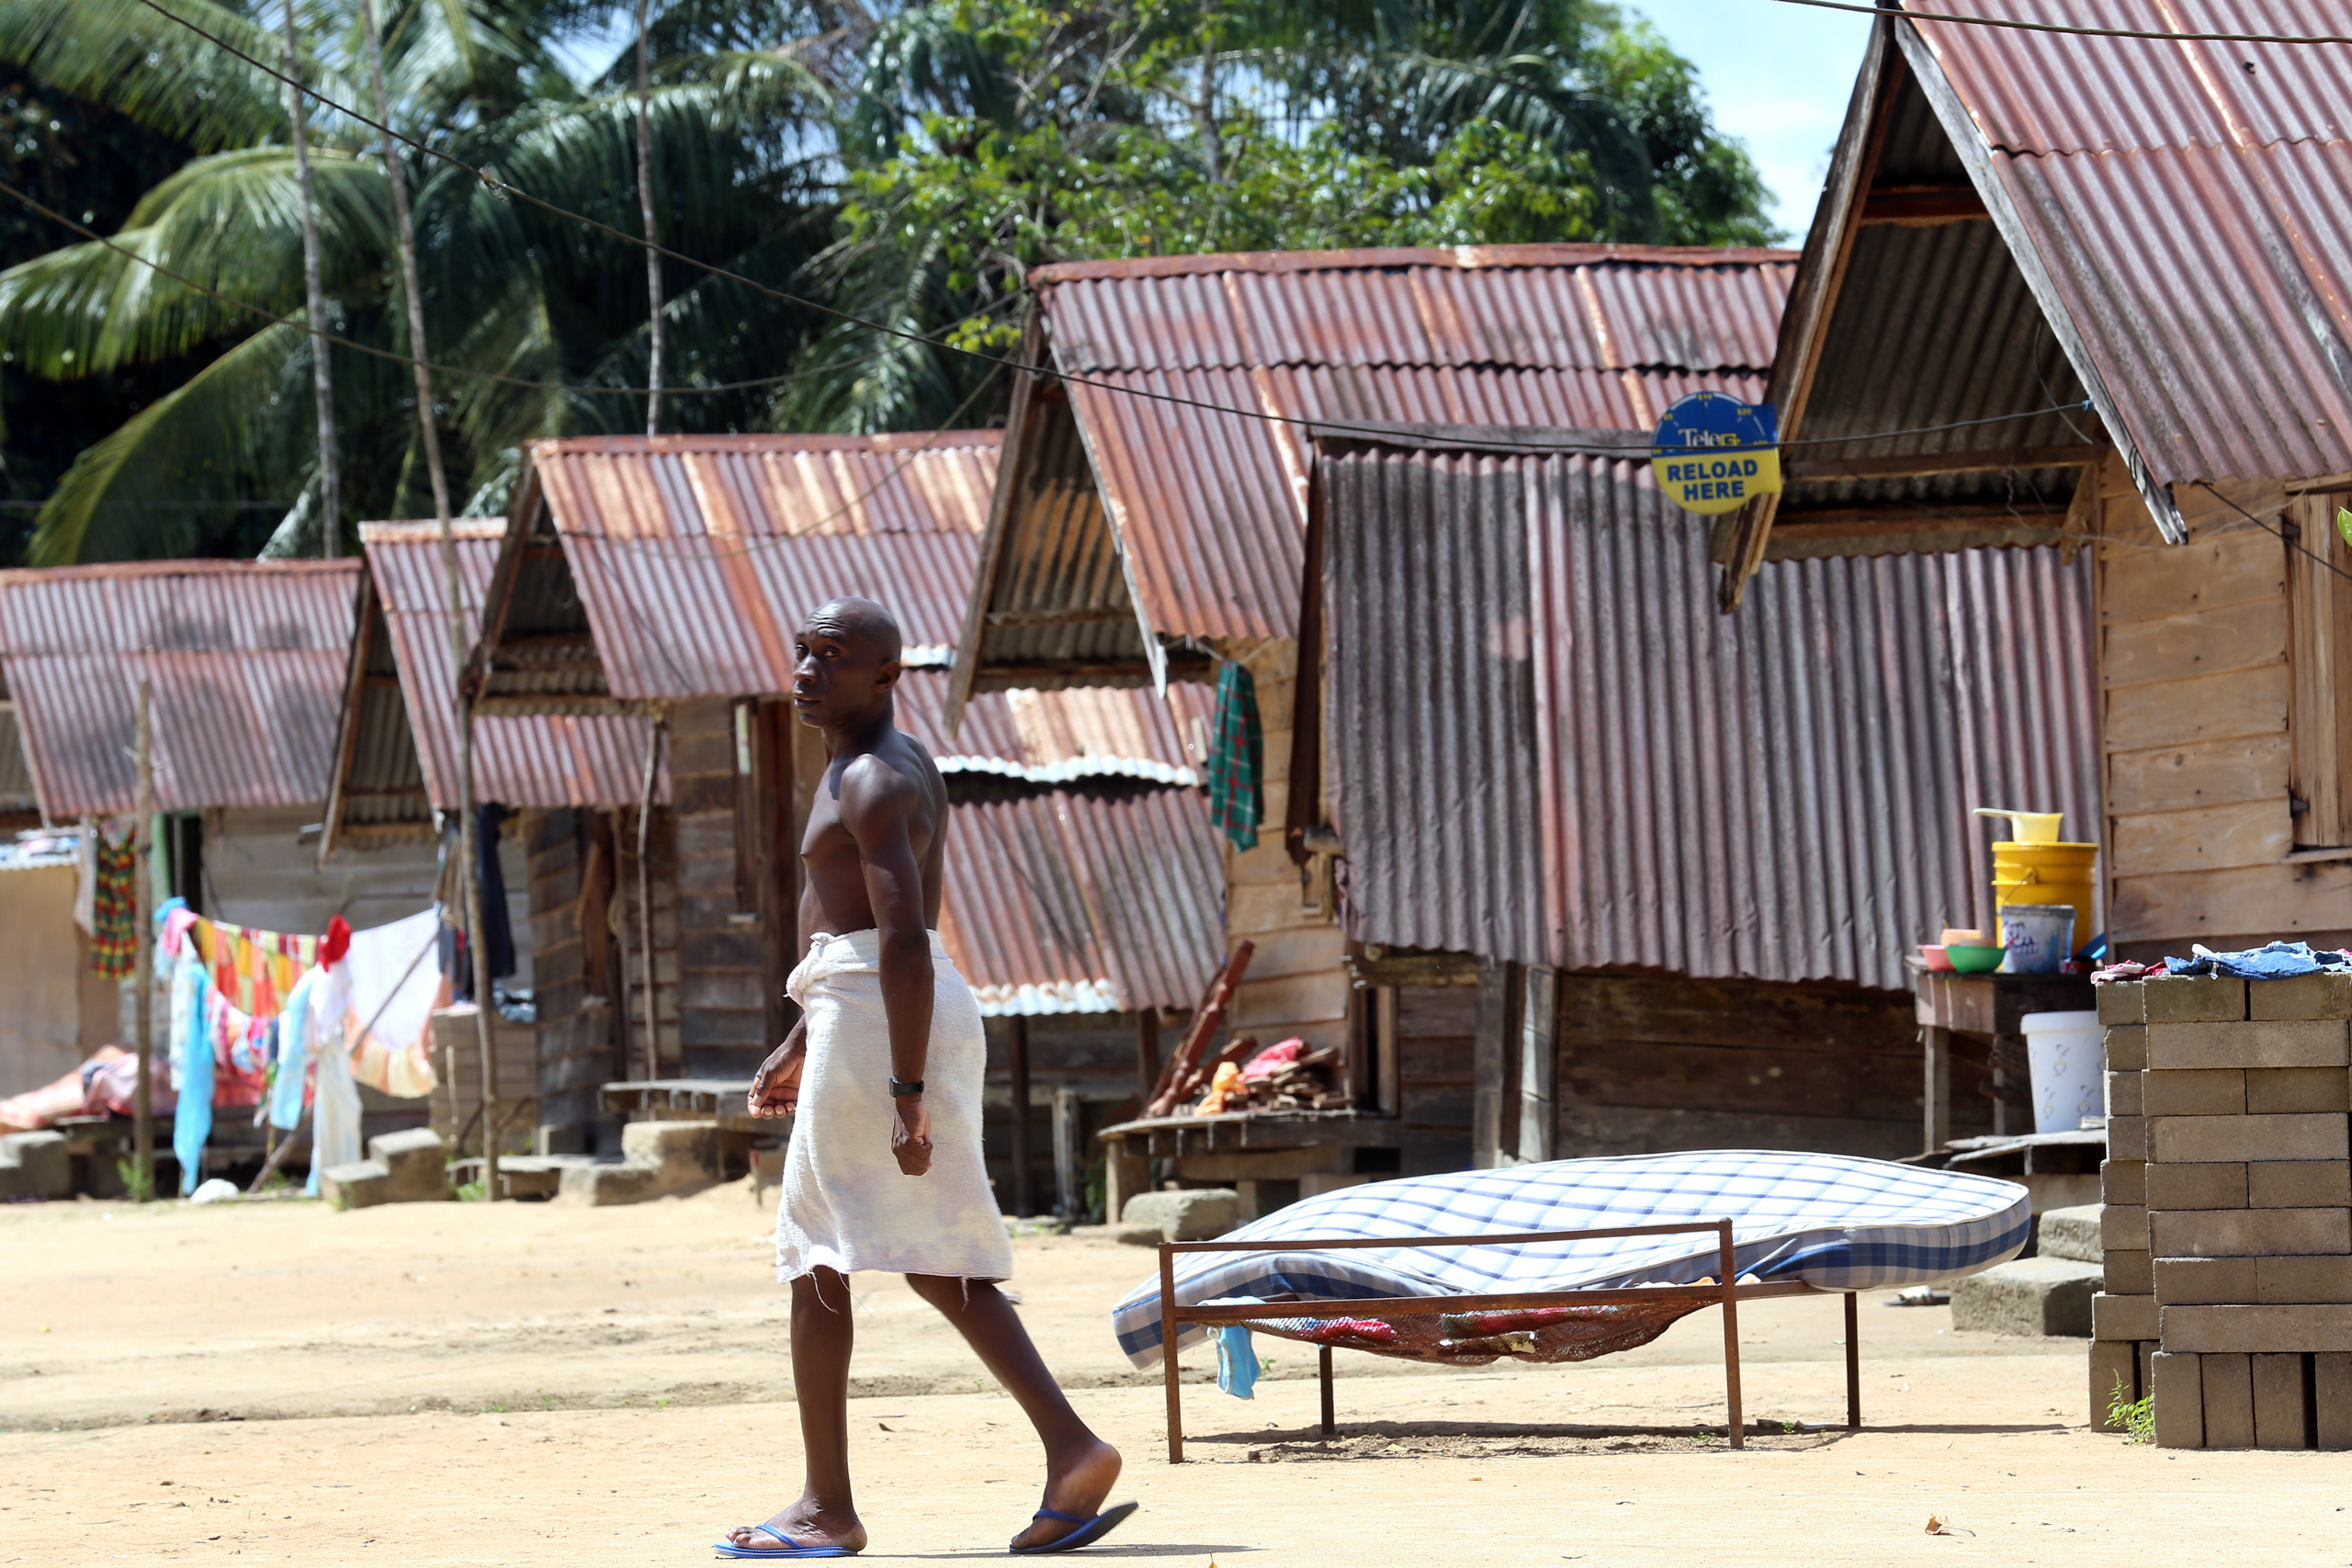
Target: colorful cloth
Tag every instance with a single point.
(1237, 759)
(2278, 961)
(114, 907)
(191, 1069)
(253, 969)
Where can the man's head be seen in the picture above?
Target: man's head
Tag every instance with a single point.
(844, 662)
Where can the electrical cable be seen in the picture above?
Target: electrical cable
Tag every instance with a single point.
(2294, 543)
(2019, 26)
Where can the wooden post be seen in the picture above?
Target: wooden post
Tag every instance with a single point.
(1147, 1056)
(1016, 1040)
(1727, 1268)
(1069, 1197)
(1331, 1412)
(143, 975)
(645, 897)
(1936, 1094)
(1390, 1091)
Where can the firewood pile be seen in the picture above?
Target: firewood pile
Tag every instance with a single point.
(1242, 1077)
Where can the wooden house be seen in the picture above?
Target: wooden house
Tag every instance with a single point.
(2116, 320)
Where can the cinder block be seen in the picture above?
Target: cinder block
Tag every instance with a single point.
(2251, 1328)
(2219, 1186)
(2127, 1048)
(2229, 1401)
(2125, 1181)
(2278, 1043)
(2127, 1274)
(2123, 1094)
(2125, 1227)
(36, 1164)
(2215, 1140)
(2269, 1090)
(2279, 1409)
(1193, 1214)
(2123, 1318)
(414, 1161)
(2203, 1091)
(2179, 999)
(602, 1186)
(2179, 1384)
(2249, 1233)
(2076, 1232)
(361, 1184)
(2127, 1137)
(2205, 1282)
(2324, 995)
(2295, 1282)
(2113, 1381)
(2297, 1184)
(2120, 1003)
(2049, 1296)
(2332, 1399)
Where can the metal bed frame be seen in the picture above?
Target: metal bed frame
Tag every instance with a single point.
(1725, 1292)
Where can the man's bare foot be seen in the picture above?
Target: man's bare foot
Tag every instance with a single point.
(804, 1523)
(1077, 1483)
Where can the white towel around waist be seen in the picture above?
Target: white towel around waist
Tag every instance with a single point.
(845, 1204)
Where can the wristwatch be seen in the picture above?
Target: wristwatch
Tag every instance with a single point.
(901, 1089)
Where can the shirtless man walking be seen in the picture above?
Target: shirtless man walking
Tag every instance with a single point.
(885, 1069)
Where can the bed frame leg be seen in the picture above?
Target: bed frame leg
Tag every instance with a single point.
(1853, 1364)
(1330, 1416)
(1727, 1271)
(1169, 1329)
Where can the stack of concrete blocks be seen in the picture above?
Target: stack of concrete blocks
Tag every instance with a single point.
(2228, 1216)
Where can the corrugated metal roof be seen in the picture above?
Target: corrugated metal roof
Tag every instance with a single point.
(1208, 508)
(16, 778)
(2192, 204)
(1085, 901)
(1544, 744)
(246, 661)
(537, 760)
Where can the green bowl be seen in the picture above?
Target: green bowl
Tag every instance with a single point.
(1975, 959)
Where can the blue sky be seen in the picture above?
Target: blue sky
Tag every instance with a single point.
(1778, 76)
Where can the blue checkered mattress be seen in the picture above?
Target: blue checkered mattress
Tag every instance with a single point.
(1831, 1221)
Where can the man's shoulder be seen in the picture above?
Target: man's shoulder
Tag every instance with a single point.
(888, 776)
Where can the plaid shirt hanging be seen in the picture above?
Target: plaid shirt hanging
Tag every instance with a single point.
(1236, 757)
(114, 943)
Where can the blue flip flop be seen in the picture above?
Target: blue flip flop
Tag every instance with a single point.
(1088, 1531)
(789, 1548)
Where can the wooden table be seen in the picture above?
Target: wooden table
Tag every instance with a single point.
(1985, 1007)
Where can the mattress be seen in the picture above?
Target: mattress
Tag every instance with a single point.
(1831, 1221)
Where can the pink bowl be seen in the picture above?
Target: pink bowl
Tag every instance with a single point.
(1938, 959)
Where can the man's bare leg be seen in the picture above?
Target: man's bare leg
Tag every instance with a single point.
(1080, 1468)
(822, 1333)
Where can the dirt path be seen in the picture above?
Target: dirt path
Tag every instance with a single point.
(608, 1387)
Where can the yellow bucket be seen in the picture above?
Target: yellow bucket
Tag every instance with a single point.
(2048, 874)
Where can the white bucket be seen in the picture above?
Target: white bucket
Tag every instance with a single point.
(2040, 937)
(2067, 1059)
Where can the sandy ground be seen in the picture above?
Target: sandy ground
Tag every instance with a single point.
(529, 1384)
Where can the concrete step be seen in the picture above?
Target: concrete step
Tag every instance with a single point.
(2072, 1234)
(2034, 1296)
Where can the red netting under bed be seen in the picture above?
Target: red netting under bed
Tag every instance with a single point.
(1478, 1338)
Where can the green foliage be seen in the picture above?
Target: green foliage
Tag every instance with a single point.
(2136, 1417)
(138, 1185)
(473, 1193)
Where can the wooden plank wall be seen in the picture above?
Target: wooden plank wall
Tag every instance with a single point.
(1437, 1031)
(1295, 985)
(722, 948)
(576, 974)
(259, 871)
(1650, 1062)
(1094, 1053)
(2198, 675)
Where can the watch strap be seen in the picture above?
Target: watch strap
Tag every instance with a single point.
(901, 1088)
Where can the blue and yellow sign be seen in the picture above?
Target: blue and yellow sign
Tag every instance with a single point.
(1713, 453)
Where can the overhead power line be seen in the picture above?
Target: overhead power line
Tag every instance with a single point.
(2020, 25)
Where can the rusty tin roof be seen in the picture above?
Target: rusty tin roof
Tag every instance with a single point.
(2160, 228)
(246, 662)
(1085, 901)
(1127, 520)
(1544, 744)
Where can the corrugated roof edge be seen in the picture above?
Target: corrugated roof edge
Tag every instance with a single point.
(1464, 257)
(907, 441)
(192, 566)
(430, 533)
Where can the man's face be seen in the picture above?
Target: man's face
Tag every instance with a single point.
(838, 674)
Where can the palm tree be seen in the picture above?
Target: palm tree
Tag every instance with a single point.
(547, 321)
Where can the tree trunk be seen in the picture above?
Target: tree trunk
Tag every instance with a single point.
(322, 371)
(652, 231)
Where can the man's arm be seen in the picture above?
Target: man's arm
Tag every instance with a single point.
(877, 805)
